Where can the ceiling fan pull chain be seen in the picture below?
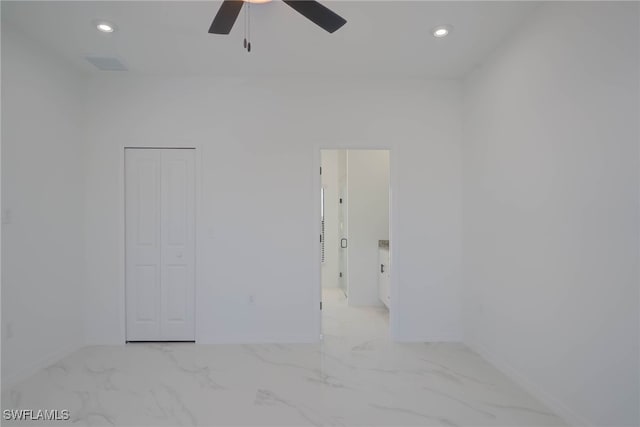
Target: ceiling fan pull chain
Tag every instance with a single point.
(249, 27)
(245, 27)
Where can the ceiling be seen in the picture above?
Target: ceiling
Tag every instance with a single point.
(381, 38)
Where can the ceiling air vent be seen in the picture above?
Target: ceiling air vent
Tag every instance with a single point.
(106, 63)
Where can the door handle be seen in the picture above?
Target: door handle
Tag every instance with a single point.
(381, 268)
(343, 243)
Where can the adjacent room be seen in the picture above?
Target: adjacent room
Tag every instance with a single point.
(354, 244)
(341, 213)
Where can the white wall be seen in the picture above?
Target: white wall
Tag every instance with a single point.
(329, 161)
(42, 202)
(259, 142)
(368, 198)
(551, 209)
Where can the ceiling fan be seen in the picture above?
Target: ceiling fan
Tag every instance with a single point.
(312, 10)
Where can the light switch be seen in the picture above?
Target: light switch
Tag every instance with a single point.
(8, 330)
(7, 216)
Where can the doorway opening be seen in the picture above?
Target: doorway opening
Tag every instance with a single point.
(354, 255)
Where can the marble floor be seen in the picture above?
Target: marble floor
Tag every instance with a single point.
(356, 376)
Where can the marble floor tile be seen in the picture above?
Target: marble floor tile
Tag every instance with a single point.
(355, 376)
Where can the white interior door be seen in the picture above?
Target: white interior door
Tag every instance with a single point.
(343, 231)
(160, 244)
(343, 223)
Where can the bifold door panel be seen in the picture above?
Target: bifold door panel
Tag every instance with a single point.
(160, 244)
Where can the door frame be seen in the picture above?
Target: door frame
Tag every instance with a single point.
(393, 226)
(122, 315)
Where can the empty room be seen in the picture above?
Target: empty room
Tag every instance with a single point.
(340, 213)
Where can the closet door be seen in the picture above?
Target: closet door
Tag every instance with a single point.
(160, 244)
(177, 276)
(143, 246)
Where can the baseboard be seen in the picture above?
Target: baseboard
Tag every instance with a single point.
(48, 360)
(562, 410)
(435, 338)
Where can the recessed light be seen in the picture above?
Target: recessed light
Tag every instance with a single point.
(441, 31)
(105, 27)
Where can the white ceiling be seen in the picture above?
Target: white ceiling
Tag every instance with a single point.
(381, 38)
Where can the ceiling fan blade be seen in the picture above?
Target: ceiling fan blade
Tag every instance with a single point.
(318, 14)
(226, 17)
